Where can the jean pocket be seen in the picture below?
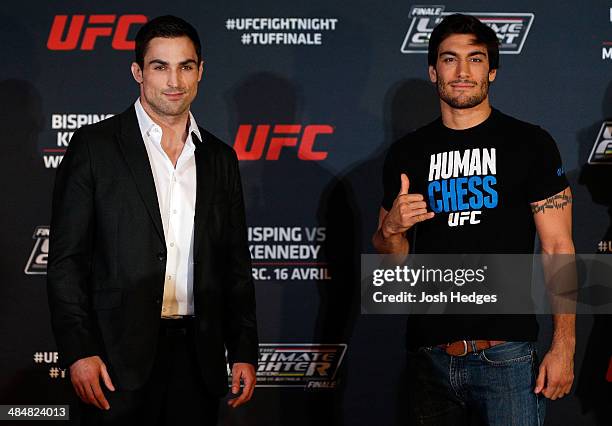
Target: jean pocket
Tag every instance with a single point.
(508, 353)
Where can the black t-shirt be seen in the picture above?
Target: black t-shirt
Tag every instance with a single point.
(479, 182)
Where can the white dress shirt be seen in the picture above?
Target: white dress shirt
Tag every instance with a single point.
(176, 194)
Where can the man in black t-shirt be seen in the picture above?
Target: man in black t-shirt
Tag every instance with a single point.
(477, 181)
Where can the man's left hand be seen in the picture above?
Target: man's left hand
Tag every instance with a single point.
(556, 373)
(245, 372)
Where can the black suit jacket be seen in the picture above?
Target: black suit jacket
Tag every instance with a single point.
(107, 256)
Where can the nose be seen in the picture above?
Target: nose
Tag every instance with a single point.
(173, 78)
(463, 69)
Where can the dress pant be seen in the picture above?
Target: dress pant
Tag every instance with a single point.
(175, 393)
(490, 387)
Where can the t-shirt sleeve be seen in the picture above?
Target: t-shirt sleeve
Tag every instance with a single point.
(391, 178)
(546, 173)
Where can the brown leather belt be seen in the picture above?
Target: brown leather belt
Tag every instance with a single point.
(464, 347)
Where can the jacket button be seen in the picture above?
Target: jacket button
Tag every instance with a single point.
(157, 301)
(161, 255)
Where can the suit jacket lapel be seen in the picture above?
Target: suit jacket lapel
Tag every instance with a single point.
(132, 146)
(205, 183)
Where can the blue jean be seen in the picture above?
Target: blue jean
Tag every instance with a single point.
(490, 387)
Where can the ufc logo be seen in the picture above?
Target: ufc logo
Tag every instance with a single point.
(460, 218)
(62, 38)
(283, 135)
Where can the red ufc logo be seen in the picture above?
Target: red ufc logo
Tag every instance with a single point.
(282, 135)
(62, 38)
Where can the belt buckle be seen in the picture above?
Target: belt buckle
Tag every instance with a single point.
(465, 348)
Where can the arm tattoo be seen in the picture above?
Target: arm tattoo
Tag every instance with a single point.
(557, 202)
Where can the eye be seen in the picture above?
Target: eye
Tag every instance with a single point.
(448, 59)
(475, 59)
(159, 67)
(188, 67)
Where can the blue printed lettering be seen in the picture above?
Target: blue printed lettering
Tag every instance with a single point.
(491, 200)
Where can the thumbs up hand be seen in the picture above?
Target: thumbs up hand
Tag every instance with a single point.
(408, 210)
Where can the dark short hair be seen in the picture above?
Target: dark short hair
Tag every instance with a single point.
(464, 24)
(167, 26)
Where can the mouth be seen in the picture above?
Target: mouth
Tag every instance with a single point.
(174, 96)
(463, 85)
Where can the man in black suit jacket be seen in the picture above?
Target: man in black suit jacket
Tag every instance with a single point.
(111, 265)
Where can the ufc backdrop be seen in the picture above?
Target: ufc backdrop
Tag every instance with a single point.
(310, 94)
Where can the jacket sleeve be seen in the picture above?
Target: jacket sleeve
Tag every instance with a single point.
(70, 255)
(241, 326)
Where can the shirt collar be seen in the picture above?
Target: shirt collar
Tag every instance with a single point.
(146, 124)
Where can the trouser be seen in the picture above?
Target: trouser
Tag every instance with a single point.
(174, 394)
(490, 387)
